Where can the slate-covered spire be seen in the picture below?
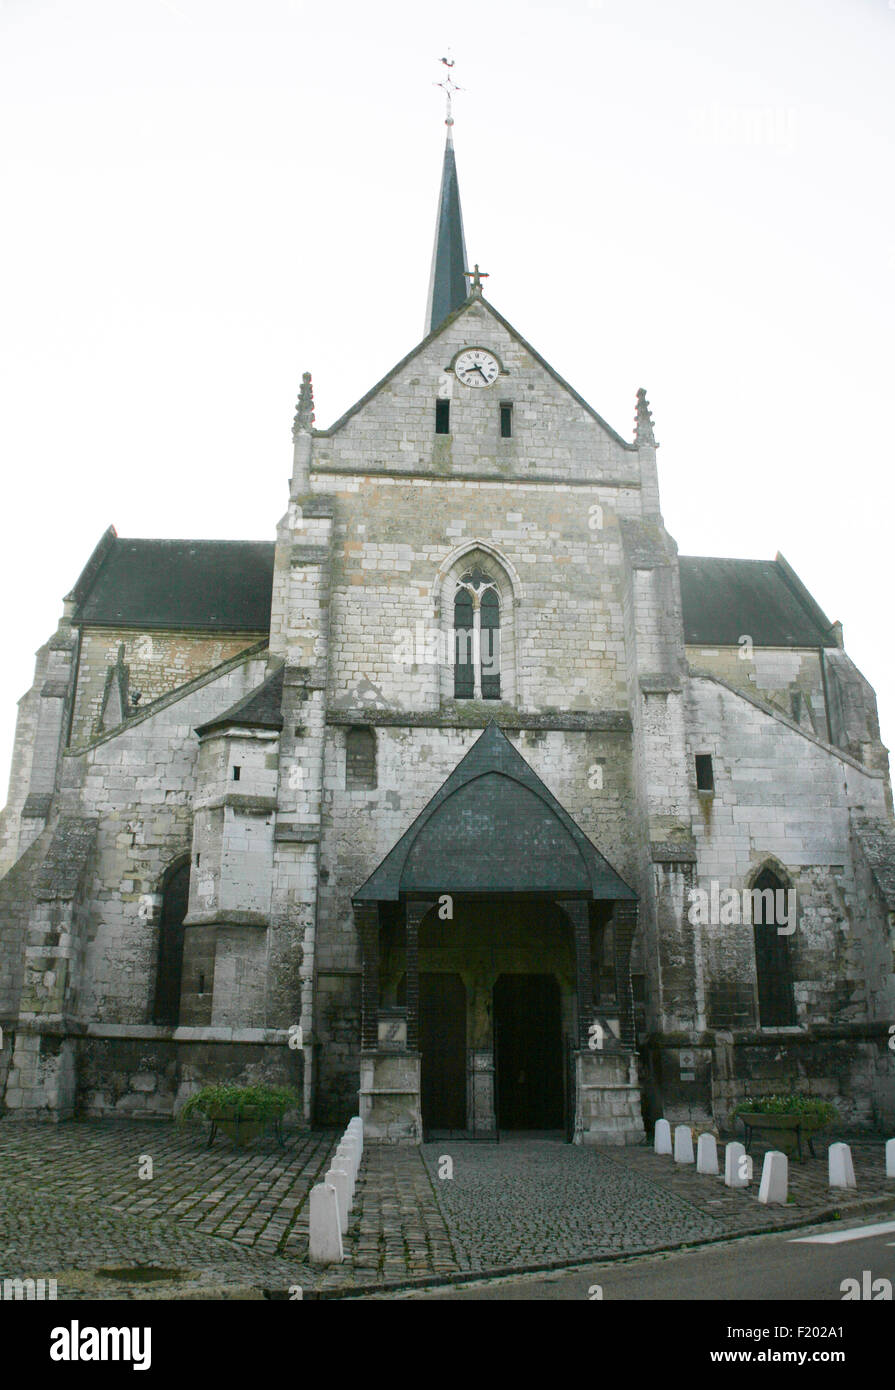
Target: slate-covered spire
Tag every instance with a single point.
(447, 282)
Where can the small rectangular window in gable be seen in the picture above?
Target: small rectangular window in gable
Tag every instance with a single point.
(442, 417)
(506, 419)
(236, 772)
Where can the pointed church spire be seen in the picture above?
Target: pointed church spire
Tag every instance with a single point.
(447, 282)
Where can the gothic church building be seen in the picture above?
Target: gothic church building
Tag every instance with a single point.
(452, 804)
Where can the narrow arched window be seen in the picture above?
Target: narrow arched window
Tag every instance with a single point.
(175, 899)
(464, 633)
(360, 760)
(490, 645)
(770, 911)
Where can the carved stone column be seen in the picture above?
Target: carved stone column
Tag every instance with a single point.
(577, 910)
(625, 924)
(416, 909)
(366, 917)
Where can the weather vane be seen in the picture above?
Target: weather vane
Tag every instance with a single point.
(448, 86)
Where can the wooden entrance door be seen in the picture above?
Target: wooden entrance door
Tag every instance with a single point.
(443, 1051)
(528, 1052)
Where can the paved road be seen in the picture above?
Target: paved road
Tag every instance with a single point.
(770, 1268)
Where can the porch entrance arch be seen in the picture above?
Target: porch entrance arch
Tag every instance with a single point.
(496, 886)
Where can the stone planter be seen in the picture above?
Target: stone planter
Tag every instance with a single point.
(244, 1126)
(784, 1132)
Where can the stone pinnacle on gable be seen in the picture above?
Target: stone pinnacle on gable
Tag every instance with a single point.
(304, 409)
(643, 423)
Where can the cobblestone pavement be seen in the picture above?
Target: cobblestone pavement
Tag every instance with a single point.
(231, 1222)
(535, 1200)
(73, 1207)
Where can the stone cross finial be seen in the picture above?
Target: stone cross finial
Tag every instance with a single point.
(304, 409)
(476, 276)
(643, 425)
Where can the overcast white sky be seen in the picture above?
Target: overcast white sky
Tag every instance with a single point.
(203, 198)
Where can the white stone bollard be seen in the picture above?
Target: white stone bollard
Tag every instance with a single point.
(348, 1147)
(339, 1178)
(325, 1246)
(683, 1144)
(735, 1165)
(344, 1158)
(706, 1154)
(842, 1170)
(890, 1158)
(356, 1128)
(774, 1178)
(662, 1142)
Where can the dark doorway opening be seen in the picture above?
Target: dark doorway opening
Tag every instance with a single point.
(175, 900)
(443, 1051)
(528, 1052)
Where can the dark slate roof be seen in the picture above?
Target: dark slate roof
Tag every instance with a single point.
(493, 826)
(260, 709)
(210, 586)
(447, 284)
(724, 600)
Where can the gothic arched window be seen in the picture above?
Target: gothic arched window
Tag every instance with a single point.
(776, 1002)
(476, 637)
(175, 898)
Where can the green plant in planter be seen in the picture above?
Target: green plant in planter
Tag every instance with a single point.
(814, 1114)
(241, 1111)
(786, 1118)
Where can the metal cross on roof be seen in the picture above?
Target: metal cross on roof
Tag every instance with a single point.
(476, 276)
(448, 86)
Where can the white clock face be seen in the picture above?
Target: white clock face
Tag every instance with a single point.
(476, 367)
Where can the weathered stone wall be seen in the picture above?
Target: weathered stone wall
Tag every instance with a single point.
(553, 434)
(782, 799)
(148, 1073)
(140, 783)
(158, 663)
(775, 674)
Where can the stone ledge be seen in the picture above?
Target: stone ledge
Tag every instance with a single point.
(309, 555)
(573, 721)
(152, 1031)
(298, 834)
(674, 852)
(37, 806)
(660, 685)
(239, 801)
(226, 917)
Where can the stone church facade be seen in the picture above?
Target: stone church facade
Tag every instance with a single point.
(458, 802)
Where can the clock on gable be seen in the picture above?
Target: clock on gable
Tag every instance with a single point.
(477, 367)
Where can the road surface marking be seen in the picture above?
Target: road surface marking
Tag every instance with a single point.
(883, 1228)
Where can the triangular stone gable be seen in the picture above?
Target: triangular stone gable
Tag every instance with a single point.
(392, 425)
(504, 832)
